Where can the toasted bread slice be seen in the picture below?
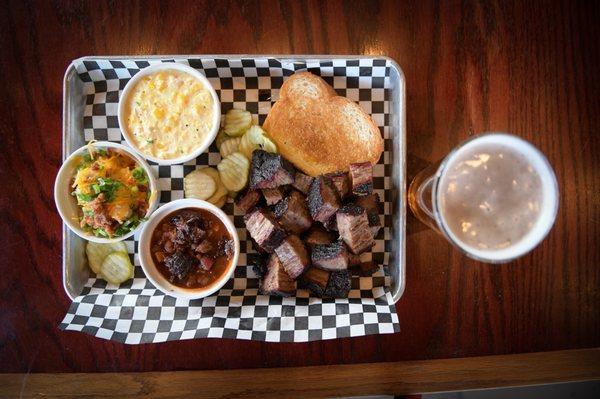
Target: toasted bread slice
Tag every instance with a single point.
(319, 131)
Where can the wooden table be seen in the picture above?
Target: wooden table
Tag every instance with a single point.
(521, 67)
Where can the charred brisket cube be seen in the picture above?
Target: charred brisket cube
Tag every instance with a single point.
(361, 176)
(330, 257)
(179, 265)
(339, 285)
(367, 269)
(323, 200)
(353, 261)
(272, 195)
(341, 182)
(207, 263)
(293, 256)
(204, 247)
(315, 280)
(354, 229)
(247, 201)
(189, 230)
(363, 269)
(293, 214)
(225, 247)
(276, 281)
(258, 263)
(270, 170)
(264, 229)
(318, 235)
(371, 204)
(331, 224)
(302, 182)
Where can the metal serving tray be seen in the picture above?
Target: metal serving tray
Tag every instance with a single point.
(75, 270)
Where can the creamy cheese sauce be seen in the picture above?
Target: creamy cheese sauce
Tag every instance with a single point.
(169, 114)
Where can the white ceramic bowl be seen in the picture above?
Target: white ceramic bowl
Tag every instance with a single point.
(67, 204)
(152, 272)
(216, 120)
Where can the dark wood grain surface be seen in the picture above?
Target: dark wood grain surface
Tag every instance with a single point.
(528, 67)
(391, 378)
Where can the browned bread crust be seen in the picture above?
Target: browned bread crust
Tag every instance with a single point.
(319, 131)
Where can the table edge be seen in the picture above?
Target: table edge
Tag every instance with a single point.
(396, 378)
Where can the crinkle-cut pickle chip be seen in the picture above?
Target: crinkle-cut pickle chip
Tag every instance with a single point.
(221, 137)
(256, 138)
(116, 268)
(96, 252)
(221, 189)
(230, 146)
(234, 171)
(199, 184)
(237, 121)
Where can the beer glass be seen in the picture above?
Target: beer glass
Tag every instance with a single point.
(494, 197)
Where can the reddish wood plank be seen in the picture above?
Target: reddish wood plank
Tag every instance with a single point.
(524, 67)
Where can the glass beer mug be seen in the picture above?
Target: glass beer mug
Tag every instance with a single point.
(495, 197)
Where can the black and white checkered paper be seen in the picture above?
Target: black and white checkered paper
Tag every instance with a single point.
(136, 312)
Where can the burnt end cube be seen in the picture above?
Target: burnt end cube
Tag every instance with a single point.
(339, 285)
(318, 235)
(179, 265)
(354, 229)
(272, 195)
(353, 261)
(323, 200)
(276, 281)
(293, 256)
(331, 224)
(315, 280)
(264, 229)
(302, 182)
(292, 213)
(361, 176)
(372, 205)
(330, 257)
(341, 182)
(367, 269)
(248, 200)
(258, 263)
(270, 170)
(363, 269)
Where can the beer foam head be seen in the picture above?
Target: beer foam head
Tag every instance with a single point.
(548, 186)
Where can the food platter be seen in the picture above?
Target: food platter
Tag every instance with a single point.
(75, 271)
(347, 74)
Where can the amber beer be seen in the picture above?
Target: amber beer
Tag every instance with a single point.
(495, 197)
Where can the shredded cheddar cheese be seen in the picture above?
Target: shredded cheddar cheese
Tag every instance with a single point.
(111, 191)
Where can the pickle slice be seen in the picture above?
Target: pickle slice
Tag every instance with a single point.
(116, 268)
(237, 121)
(255, 138)
(96, 252)
(199, 184)
(230, 146)
(221, 189)
(221, 137)
(233, 171)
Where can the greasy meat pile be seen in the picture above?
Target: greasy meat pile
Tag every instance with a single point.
(310, 231)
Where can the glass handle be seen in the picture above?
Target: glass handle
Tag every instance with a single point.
(419, 196)
(424, 187)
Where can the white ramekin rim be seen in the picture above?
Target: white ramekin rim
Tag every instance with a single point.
(150, 270)
(62, 192)
(161, 67)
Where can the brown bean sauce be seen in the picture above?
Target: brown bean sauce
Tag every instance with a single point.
(191, 248)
